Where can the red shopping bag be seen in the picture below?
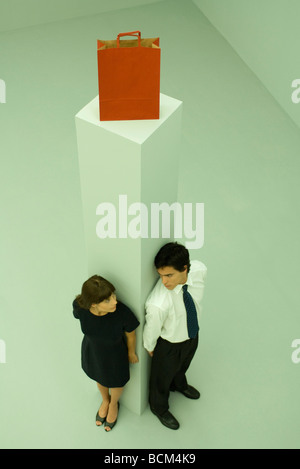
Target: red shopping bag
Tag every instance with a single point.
(129, 78)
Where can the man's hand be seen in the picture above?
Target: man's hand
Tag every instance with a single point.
(150, 353)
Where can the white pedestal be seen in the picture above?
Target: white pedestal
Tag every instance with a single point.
(125, 168)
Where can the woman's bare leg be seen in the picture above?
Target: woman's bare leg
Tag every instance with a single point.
(115, 394)
(105, 402)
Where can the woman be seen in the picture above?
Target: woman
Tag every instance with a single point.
(108, 344)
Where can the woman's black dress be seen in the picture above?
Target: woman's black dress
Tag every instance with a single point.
(104, 353)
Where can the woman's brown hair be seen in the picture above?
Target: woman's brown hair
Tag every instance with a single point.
(93, 291)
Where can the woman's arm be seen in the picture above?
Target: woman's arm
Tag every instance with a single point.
(131, 342)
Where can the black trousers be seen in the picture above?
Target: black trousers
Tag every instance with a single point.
(170, 362)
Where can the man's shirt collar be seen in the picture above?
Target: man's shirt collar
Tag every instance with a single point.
(178, 288)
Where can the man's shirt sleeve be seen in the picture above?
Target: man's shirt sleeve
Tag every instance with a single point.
(155, 318)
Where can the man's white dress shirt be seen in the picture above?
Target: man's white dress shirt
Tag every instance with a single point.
(165, 310)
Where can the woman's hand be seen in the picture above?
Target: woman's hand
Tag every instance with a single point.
(133, 358)
(131, 342)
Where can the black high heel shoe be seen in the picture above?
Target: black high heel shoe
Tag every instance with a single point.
(111, 425)
(100, 419)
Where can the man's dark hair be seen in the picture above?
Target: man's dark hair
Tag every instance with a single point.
(173, 255)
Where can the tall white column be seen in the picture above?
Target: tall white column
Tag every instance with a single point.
(127, 168)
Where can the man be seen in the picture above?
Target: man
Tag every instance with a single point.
(171, 329)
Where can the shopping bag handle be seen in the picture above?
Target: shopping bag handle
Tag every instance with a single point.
(132, 33)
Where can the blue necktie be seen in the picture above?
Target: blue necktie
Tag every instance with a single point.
(192, 321)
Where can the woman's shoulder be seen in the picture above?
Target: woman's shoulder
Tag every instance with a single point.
(122, 308)
(127, 315)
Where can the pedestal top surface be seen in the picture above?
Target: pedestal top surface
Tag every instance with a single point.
(136, 130)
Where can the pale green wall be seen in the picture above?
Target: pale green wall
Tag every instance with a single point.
(15, 14)
(265, 33)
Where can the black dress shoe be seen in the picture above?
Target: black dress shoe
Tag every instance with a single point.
(167, 419)
(190, 392)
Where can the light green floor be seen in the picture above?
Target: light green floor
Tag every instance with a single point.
(240, 157)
